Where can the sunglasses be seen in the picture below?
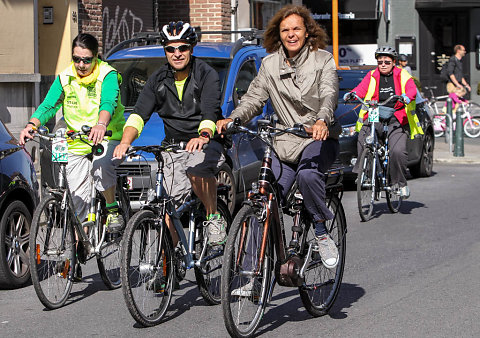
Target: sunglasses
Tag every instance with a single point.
(86, 60)
(388, 63)
(181, 48)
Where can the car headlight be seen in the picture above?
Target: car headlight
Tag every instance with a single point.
(348, 131)
(369, 139)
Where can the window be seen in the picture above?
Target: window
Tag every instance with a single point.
(247, 73)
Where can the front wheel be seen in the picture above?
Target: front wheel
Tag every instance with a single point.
(208, 273)
(321, 286)
(245, 284)
(147, 268)
(366, 185)
(52, 252)
(471, 127)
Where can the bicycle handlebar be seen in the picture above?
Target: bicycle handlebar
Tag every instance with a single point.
(374, 104)
(157, 149)
(43, 133)
(265, 126)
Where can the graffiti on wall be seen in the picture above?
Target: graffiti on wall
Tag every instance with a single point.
(120, 21)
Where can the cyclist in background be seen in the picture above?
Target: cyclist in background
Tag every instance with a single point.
(379, 84)
(301, 80)
(186, 95)
(88, 93)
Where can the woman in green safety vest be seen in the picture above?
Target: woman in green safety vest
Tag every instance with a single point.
(379, 84)
(88, 93)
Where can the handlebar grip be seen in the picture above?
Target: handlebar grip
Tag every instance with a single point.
(108, 133)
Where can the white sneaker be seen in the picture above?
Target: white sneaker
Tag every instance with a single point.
(249, 289)
(328, 251)
(405, 192)
(217, 232)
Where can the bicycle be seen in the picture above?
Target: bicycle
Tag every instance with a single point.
(151, 265)
(471, 123)
(374, 176)
(257, 235)
(58, 238)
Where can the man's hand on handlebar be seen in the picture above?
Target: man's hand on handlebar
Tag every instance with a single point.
(348, 96)
(120, 151)
(222, 125)
(196, 143)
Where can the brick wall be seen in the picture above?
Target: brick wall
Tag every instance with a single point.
(207, 14)
(90, 19)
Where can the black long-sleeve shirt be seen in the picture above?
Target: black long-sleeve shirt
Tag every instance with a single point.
(181, 118)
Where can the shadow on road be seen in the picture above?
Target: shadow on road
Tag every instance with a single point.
(293, 310)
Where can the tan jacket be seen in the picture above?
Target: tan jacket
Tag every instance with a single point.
(303, 92)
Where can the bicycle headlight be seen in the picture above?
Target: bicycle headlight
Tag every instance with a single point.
(369, 139)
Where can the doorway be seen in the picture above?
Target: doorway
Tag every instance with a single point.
(439, 33)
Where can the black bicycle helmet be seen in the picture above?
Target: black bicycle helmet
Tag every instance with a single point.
(386, 51)
(402, 57)
(178, 31)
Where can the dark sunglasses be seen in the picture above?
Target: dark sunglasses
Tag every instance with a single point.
(388, 63)
(86, 60)
(181, 48)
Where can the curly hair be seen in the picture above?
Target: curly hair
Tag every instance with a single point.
(317, 36)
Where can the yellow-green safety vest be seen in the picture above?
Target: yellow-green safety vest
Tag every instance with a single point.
(81, 106)
(413, 122)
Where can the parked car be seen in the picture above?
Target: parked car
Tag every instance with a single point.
(420, 149)
(18, 197)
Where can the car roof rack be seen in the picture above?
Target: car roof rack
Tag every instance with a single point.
(247, 35)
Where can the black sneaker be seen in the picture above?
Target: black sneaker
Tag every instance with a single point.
(77, 275)
(115, 222)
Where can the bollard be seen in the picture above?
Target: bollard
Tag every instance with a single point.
(448, 132)
(459, 133)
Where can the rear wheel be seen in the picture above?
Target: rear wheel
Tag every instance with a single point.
(209, 273)
(52, 252)
(366, 185)
(321, 286)
(225, 178)
(392, 194)
(471, 127)
(108, 260)
(245, 293)
(147, 268)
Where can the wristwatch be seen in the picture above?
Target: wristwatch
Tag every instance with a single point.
(205, 134)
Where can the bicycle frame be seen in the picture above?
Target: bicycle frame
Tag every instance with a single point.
(162, 203)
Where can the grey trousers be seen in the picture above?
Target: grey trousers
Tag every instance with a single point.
(397, 144)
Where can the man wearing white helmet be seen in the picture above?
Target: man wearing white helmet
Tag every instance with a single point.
(379, 84)
(185, 93)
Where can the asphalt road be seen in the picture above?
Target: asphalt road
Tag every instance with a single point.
(412, 274)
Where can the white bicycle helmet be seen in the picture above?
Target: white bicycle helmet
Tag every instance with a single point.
(178, 31)
(386, 51)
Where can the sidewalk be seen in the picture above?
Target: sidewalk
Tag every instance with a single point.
(441, 153)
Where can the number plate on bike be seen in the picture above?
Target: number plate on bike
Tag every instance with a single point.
(373, 115)
(59, 150)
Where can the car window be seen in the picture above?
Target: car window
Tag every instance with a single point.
(135, 73)
(247, 73)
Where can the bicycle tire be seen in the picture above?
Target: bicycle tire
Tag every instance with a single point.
(471, 127)
(52, 267)
(209, 284)
(147, 268)
(392, 194)
(365, 185)
(235, 308)
(321, 286)
(108, 261)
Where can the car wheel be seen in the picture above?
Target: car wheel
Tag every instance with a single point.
(14, 235)
(424, 167)
(225, 177)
